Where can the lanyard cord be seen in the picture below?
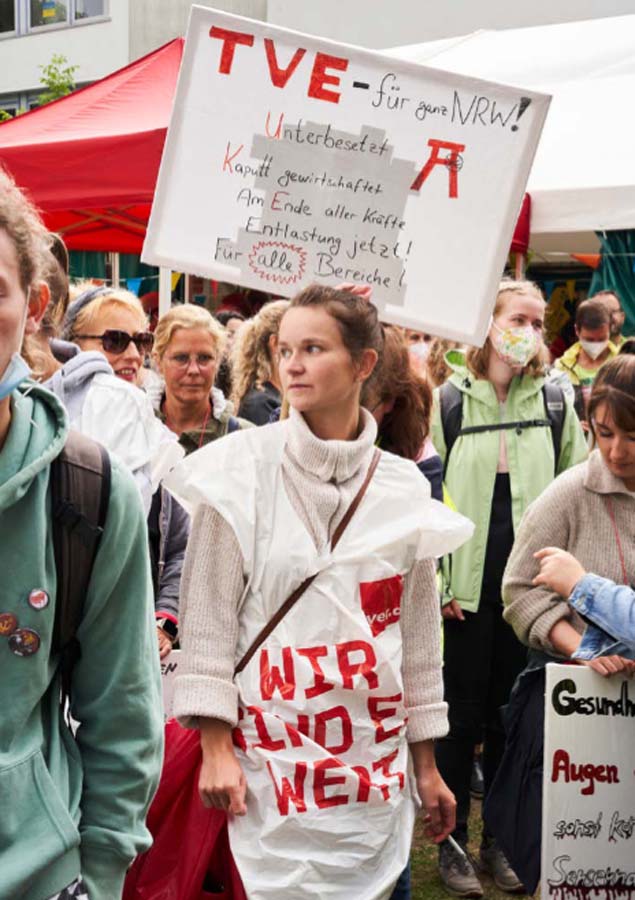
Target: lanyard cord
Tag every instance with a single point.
(620, 549)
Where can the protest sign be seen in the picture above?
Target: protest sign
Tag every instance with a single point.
(291, 159)
(588, 826)
(169, 668)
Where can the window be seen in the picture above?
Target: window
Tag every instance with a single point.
(7, 16)
(90, 9)
(48, 12)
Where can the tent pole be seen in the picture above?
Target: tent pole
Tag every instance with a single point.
(114, 269)
(165, 290)
(519, 274)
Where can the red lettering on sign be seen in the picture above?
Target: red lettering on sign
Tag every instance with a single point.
(271, 678)
(229, 158)
(451, 162)
(279, 77)
(266, 741)
(285, 792)
(275, 203)
(321, 782)
(319, 76)
(562, 766)
(378, 715)
(278, 131)
(349, 669)
(321, 720)
(230, 39)
(320, 685)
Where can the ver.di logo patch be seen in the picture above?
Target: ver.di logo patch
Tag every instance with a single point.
(381, 602)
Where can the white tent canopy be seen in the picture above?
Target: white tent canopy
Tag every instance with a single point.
(583, 177)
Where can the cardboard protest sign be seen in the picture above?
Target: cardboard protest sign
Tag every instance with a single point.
(169, 668)
(588, 826)
(291, 159)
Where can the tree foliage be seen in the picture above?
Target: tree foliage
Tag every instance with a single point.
(58, 79)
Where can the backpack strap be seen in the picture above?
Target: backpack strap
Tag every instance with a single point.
(80, 492)
(451, 408)
(555, 407)
(451, 401)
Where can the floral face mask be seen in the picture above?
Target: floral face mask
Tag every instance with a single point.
(515, 346)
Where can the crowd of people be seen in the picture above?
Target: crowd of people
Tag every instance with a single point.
(366, 543)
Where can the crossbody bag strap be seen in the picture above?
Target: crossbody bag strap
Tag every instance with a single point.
(291, 601)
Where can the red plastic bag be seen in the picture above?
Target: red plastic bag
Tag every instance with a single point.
(190, 858)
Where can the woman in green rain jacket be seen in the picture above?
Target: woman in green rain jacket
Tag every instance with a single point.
(492, 474)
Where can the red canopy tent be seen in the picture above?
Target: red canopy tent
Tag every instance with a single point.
(90, 160)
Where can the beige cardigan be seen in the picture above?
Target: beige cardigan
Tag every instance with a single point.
(571, 514)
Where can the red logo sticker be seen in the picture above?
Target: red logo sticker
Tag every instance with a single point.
(381, 602)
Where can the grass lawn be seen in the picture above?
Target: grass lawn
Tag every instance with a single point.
(425, 880)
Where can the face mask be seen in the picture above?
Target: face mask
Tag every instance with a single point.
(14, 374)
(420, 351)
(515, 346)
(594, 348)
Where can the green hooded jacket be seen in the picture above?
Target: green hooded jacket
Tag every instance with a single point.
(73, 805)
(471, 472)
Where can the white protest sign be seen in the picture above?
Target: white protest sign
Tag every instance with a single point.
(169, 668)
(588, 823)
(291, 159)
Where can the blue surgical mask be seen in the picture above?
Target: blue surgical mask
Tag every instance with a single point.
(14, 374)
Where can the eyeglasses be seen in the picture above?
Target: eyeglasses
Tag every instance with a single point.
(183, 360)
(115, 341)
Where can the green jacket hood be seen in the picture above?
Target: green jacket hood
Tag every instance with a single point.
(480, 388)
(36, 436)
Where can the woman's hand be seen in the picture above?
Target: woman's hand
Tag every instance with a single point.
(439, 805)
(452, 610)
(165, 643)
(364, 291)
(609, 665)
(559, 570)
(222, 784)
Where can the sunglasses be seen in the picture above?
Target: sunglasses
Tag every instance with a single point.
(115, 341)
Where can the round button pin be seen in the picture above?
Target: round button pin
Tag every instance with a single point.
(8, 624)
(24, 642)
(38, 599)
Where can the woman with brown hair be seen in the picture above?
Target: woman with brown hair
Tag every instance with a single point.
(589, 513)
(255, 378)
(503, 435)
(329, 692)
(401, 401)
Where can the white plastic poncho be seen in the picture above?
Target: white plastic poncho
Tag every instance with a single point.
(322, 722)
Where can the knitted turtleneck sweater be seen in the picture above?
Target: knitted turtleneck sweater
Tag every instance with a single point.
(321, 479)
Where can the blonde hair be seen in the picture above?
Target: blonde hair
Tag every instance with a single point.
(251, 360)
(477, 358)
(82, 323)
(189, 318)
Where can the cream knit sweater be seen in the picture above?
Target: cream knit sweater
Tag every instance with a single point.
(571, 514)
(321, 479)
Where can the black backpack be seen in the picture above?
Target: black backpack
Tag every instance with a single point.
(451, 407)
(80, 491)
